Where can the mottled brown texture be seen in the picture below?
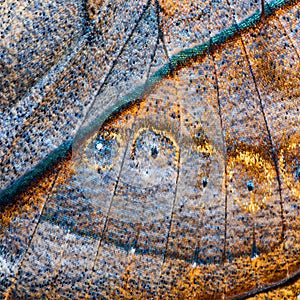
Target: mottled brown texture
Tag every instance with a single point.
(192, 192)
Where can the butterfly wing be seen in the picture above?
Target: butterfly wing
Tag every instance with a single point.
(177, 194)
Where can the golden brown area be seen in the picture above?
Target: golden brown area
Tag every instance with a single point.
(290, 292)
(284, 78)
(192, 281)
(169, 7)
(93, 7)
(179, 196)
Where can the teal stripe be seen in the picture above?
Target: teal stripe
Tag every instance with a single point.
(176, 61)
(8, 194)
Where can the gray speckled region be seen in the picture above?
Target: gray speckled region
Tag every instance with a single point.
(190, 192)
(62, 98)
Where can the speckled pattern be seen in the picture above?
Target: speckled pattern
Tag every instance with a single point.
(190, 192)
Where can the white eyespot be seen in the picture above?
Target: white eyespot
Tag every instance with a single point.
(99, 146)
(132, 251)
(194, 265)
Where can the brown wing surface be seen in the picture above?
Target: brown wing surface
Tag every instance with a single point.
(150, 150)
